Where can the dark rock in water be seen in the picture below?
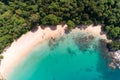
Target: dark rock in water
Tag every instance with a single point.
(84, 42)
(91, 37)
(70, 51)
(52, 43)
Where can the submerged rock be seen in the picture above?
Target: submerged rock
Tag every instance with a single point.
(112, 65)
(70, 51)
(91, 37)
(52, 43)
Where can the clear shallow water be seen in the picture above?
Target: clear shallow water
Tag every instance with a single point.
(68, 58)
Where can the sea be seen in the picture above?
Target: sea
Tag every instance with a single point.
(73, 56)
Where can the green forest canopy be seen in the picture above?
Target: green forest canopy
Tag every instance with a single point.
(19, 16)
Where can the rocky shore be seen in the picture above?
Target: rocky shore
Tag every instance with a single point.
(36, 37)
(115, 57)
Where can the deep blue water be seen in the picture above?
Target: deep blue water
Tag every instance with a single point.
(73, 56)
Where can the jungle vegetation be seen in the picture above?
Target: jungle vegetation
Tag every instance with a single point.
(19, 16)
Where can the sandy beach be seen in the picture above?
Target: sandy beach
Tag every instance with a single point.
(21, 47)
(93, 30)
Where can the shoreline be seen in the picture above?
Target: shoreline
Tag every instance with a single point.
(96, 31)
(21, 47)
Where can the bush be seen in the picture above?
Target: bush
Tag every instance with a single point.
(114, 46)
(70, 24)
(1, 56)
(50, 20)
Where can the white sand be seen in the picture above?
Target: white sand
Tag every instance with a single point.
(20, 48)
(94, 30)
(24, 44)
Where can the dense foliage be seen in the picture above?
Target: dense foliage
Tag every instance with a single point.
(113, 46)
(20, 16)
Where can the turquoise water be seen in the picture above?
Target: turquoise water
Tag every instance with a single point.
(73, 56)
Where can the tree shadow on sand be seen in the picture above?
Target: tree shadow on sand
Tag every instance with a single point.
(51, 27)
(34, 29)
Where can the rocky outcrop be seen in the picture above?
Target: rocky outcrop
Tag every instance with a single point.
(112, 65)
(115, 56)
